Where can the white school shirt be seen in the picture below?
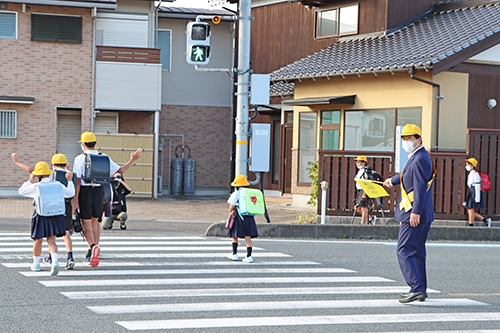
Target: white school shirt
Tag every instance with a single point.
(28, 189)
(234, 198)
(79, 166)
(474, 179)
(358, 176)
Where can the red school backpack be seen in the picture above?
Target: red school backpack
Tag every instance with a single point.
(485, 181)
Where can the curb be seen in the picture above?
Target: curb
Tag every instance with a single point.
(343, 231)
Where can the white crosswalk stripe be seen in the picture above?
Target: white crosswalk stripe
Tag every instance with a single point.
(198, 281)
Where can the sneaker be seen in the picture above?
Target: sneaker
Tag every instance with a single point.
(233, 256)
(47, 260)
(86, 261)
(94, 259)
(248, 259)
(35, 268)
(70, 264)
(123, 226)
(373, 220)
(489, 222)
(55, 268)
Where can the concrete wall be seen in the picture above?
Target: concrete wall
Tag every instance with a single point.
(183, 85)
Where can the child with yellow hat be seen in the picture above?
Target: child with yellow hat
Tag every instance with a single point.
(475, 198)
(243, 226)
(59, 165)
(47, 226)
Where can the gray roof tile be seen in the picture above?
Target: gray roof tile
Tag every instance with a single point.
(422, 42)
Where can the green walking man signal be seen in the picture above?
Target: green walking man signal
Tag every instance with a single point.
(198, 43)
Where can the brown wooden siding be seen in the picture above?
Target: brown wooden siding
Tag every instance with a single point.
(484, 145)
(283, 33)
(128, 54)
(399, 11)
(481, 88)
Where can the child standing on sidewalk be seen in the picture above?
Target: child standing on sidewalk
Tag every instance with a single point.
(49, 227)
(242, 228)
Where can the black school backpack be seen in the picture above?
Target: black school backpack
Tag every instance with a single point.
(97, 169)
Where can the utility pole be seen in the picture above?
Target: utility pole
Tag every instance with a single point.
(242, 95)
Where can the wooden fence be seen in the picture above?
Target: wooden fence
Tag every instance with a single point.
(338, 168)
(484, 145)
(128, 54)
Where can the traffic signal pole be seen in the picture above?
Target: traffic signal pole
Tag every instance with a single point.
(242, 94)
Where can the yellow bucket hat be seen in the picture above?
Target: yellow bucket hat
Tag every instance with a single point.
(472, 161)
(361, 158)
(59, 159)
(240, 180)
(411, 129)
(87, 137)
(42, 169)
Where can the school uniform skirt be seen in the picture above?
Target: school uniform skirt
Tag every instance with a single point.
(471, 200)
(242, 228)
(46, 226)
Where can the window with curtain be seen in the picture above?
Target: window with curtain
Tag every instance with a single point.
(307, 144)
(8, 25)
(165, 44)
(337, 21)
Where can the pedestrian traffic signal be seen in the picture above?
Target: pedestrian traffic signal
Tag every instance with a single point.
(198, 43)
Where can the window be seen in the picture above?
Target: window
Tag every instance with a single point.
(338, 21)
(375, 129)
(8, 25)
(165, 44)
(56, 28)
(330, 127)
(8, 124)
(307, 143)
(369, 130)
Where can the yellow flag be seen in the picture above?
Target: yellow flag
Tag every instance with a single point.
(372, 188)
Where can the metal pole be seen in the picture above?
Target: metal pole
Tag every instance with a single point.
(324, 187)
(243, 73)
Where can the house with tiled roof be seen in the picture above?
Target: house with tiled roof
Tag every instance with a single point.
(437, 68)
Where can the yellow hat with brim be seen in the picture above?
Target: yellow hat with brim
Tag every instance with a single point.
(59, 159)
(87, 137)
(472, 161)
(42, 169)
(411, 129)
(361, 158)
(240, 180)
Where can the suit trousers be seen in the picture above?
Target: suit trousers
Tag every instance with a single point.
(411, 254)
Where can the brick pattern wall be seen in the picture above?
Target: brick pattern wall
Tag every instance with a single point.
(207, 131)
(55, 74)
(139, 122)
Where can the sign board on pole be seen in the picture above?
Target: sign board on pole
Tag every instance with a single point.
(259, 89)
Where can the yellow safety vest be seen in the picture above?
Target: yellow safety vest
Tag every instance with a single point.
(408, 198)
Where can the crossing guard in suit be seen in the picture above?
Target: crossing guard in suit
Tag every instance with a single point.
(415, 211)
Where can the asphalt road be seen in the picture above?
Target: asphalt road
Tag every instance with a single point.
(186, 284)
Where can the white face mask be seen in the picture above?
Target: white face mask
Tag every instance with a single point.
(408, 146)
(360, 167)
(82, 146)
(468, 168)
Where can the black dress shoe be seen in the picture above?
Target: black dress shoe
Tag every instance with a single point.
(411, 297)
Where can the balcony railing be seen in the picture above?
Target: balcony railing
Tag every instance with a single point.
(128, 54)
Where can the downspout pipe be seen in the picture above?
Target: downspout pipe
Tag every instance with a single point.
(439, 98)
(92, 102)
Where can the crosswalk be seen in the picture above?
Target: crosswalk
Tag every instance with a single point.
(186, 283)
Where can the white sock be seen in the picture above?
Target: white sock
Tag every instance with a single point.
(55, 257)
(36, 260)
